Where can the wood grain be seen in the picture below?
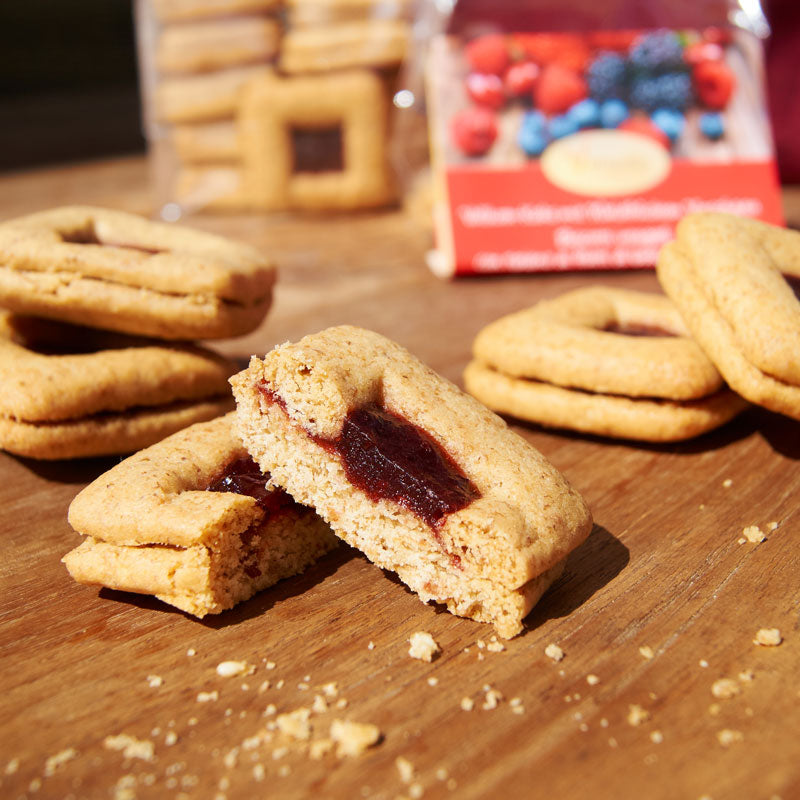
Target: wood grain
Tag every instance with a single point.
(663, 569)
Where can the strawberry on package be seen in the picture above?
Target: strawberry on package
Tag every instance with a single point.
(574, 135)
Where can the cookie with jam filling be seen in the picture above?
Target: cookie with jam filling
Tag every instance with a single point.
(419, 476)
(192, 521)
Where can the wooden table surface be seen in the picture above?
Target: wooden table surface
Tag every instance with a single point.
(663, 569)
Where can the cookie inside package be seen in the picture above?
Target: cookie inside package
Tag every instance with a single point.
(575, 135)
(270, 105)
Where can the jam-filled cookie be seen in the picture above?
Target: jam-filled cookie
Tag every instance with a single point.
(191, 521)
(726, 275)
(121, 272)
(601, 360)
(414, 473)
(70, 392)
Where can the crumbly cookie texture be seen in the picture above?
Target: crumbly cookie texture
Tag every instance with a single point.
(152, 527)
(492, 559)
(724, 274)
(121, 272)
(70, 392)
(601, 360)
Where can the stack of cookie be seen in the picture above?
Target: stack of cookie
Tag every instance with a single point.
(653, 368)
(98, 307)
(253, 114)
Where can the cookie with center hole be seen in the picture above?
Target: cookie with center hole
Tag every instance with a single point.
(421, 478)
(71, 392)
(728, 276)
(192, 521)
(121, 272)
(601, 360)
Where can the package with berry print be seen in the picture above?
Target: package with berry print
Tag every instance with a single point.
(573, 135)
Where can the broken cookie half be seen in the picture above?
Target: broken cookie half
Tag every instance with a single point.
(191, 521)
(417, 475)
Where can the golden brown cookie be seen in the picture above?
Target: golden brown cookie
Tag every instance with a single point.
(70, 392)
(188, 10)
(317, 13)
(417, 475)
(366, 43)
(601, 360)
(117, 271)
(191, 521)
(344, 114)
(725, 274)
(207, 143)
(203, 98)
(217, 44)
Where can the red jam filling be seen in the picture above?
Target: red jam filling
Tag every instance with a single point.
(243, 476)
(634, 329)
(318, 150)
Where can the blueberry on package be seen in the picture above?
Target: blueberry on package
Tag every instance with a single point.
(574, 135)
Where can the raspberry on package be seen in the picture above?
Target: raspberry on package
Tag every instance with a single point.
(714, 83)
(607, 77)
(658, 51)
(672, 90)
(486, 89)
(474, 130)
(644, 127)
(558, 88)
(489, 54)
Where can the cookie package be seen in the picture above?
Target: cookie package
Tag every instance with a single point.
(271, 106)
(121, 272)
(580, 148)
(420, 477)
(72, 392)
(190, 521)
(601, 360)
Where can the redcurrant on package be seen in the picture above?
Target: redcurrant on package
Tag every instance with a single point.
(574, 135)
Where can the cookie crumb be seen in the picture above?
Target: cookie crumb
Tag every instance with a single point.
(330, 690)
(645, 651)
(130, 746)
(703, 663)
(12, 766)
(270, 665)
(170, 738)
(370, 645)
(353, 738)
(772, 526)
(637, 715)
(746, 675)
(191, 652)
(415, 791)
(154, 681)
(433, 681)
(259, 773)
(727, 483)
(55, 761)
(495, 646)
(725, 688)
(768, 637)
(554, 651)
(656, 737)
(592, 679)
(295, 724)
(405, 768)
(467, 704)
(319, 748)
(423, 646)
(727, 737)
(207, 697)
(319, 706)
(754, 534)
(492, 699)
(231, 669)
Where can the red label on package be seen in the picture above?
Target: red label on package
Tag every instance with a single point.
(583, 150)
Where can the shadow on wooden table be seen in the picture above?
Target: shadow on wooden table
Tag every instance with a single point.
(589, 568)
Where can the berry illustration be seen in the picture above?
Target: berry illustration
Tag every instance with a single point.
(699, 52)
(532, 137)
(474, 130)
(659, 51)
(486, 89)
(612, 113)
(521, 78)
(607, 76)
(586, 113)
(561, 125)
(712, 125)
(714, 83)
(671, 90)
(670, 121)
(489, 54)
(644, 127)
(558, 88)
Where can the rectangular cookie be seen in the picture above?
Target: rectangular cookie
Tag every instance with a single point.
(404, 466)
(190, 521)
(117, 271)
(71, 392)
